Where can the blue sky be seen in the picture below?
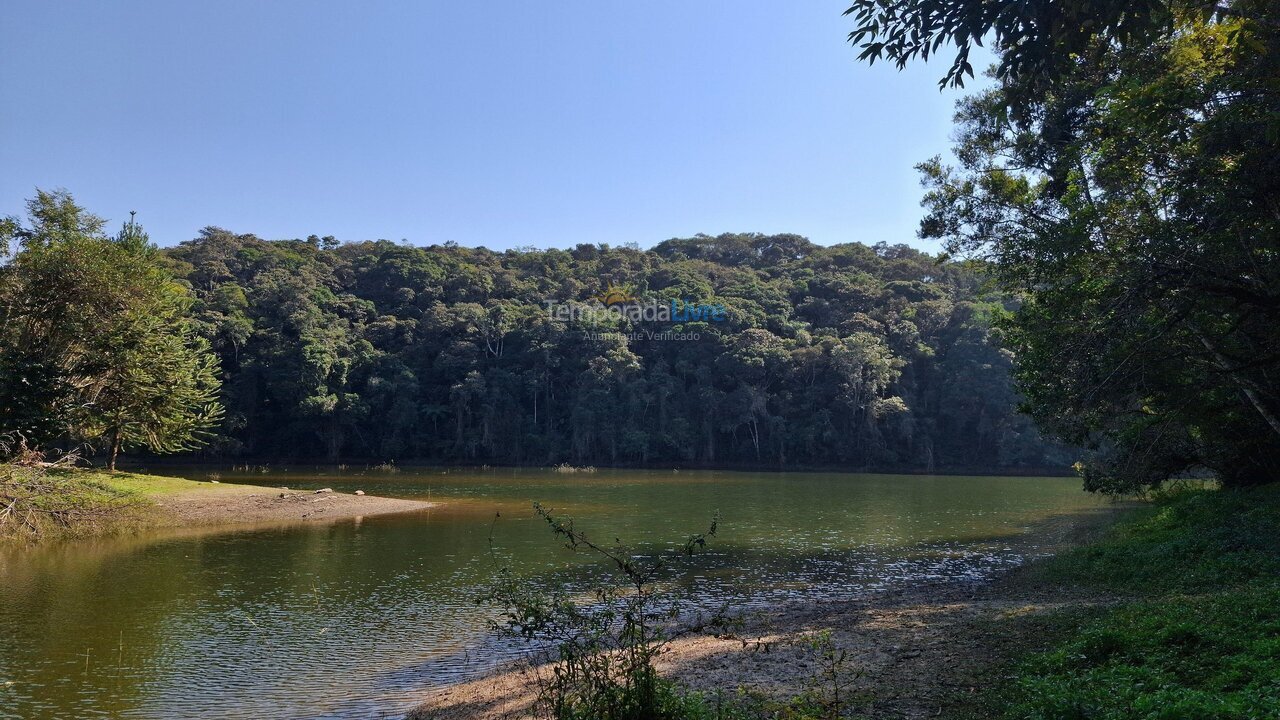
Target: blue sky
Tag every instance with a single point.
(503, 124)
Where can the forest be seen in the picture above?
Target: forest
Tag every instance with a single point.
(1105, 298)
(735, 350)
(866, 357)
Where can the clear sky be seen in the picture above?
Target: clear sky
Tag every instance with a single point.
(501, 123)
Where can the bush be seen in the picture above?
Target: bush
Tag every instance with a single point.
(605, 644)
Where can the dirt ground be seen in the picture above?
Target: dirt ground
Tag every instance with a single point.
(226, 504)
(910, 652)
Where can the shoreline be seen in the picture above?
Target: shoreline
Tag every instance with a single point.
(911, 650)
(124, 502)
(229, 504)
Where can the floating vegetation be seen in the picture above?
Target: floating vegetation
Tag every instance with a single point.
(567, 468)
(247, 468)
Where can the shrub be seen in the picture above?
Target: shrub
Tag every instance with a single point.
(605, 645)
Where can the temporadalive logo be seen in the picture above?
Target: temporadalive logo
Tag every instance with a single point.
(617, 302)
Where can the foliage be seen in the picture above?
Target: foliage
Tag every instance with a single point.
(865, 357)
(830, 695)
(1035, 39)
(1188, 657)
(852, 355)
(1130, 199)
(96, 342)
(1202, 640)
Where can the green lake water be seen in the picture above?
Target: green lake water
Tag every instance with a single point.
(360, 618)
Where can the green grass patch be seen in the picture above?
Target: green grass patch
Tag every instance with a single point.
(142, 486)
(39, 503)
(1214, 656)
(1199, 639)
(1188, 540)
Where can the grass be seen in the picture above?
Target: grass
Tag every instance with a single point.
(143, 486)
(1198, 637)
(1188, 541)
(38, 503)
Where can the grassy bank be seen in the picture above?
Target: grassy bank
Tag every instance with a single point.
(38, 503)
(1197, 635)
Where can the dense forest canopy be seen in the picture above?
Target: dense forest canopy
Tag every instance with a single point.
(865, 357)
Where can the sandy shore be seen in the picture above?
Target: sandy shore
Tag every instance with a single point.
(910, 652)
(224, 504)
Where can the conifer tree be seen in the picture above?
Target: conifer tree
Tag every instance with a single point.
(98, 347)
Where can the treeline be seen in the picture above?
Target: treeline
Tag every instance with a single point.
(856, 356)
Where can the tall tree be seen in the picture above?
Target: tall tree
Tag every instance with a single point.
(97, 344)
(1130, 193)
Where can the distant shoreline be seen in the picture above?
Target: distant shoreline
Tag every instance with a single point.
(357, 463)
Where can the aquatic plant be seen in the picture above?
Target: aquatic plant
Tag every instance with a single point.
(567, 468)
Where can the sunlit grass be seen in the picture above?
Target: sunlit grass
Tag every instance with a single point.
(1200, 637)
(43, 503)
(140, 485)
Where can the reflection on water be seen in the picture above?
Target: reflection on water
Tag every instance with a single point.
(358, 618)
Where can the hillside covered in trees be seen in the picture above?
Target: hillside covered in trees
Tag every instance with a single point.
(857, 356)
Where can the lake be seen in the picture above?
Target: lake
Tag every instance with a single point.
(360, 618)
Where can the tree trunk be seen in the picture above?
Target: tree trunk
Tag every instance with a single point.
(115, 449)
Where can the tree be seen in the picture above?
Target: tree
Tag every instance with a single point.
(1133, 199)
(1035, 39)
(97, 345)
